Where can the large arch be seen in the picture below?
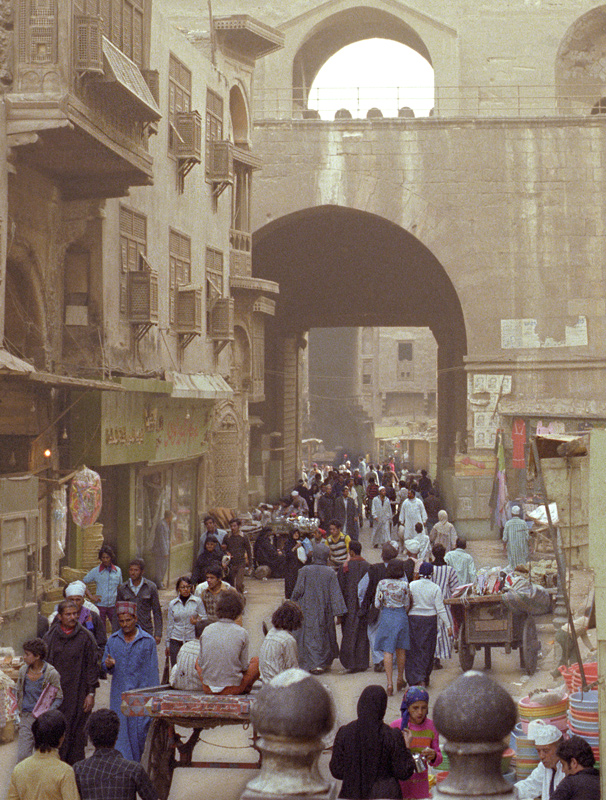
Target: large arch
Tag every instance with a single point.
(343, 28)
(341, 267)
(580, 69)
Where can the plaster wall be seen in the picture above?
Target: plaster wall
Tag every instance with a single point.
(498, 203)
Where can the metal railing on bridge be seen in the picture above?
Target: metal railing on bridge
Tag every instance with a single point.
(406, 103)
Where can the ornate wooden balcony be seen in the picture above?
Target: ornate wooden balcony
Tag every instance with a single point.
(80, 108)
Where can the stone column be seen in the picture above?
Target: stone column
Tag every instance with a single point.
(291, 716)
(475, 715)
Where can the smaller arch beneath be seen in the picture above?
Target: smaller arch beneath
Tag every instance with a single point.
(580, 68)
(240, 118)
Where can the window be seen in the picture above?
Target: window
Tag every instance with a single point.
(214, 122)
(404, 366)
(240, 213)
(37, 32)
(179, 247)
(366, 372)
(133, 246)
(179, 97)
(214, 279)
(404, 351)
(123, 25)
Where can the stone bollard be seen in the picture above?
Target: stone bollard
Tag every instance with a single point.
(475, 715)
(291, 715)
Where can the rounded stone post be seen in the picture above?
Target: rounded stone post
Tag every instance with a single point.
(475, 715)
(291, 715)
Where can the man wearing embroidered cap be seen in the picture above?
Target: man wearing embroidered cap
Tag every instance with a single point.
(545, 777)
(132, 659)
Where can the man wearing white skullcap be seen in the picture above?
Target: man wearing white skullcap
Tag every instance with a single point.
(76, 589)
(545, 777)
(515, 538)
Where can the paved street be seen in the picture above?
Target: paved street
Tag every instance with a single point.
(262, 599)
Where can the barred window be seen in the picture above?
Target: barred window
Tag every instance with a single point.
(133, 246)
(179, 97)
(179, 247)
(214, 122)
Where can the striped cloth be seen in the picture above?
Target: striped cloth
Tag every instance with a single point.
(447, 579)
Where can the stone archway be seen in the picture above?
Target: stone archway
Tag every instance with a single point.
(227, 460)
(340, 267)
(238, 112)
(580, 69)
(344, 28)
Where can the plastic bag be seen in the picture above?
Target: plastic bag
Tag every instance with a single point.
(528, 599)
(85, 497)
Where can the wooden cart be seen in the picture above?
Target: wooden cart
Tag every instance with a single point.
(486, 621)
(171, 708)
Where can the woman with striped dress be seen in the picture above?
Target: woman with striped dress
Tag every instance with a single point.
(446, 578)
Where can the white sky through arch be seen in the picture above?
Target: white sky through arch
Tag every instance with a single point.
(373, 73)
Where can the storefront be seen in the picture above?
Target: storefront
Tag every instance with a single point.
(150, 445)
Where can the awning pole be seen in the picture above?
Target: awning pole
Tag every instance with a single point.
(561, 564)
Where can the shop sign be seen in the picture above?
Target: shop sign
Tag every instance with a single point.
(133, 427)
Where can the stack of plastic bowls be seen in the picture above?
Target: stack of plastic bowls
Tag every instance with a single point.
(572, 675)
(527, 757)
(584, 721)
(553, 714)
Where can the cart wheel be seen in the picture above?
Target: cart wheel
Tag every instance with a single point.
(158, 758)
(529, 651)
(466, 651)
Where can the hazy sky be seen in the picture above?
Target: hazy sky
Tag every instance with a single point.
(373, 72)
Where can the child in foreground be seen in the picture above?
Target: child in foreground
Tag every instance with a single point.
(421, 737)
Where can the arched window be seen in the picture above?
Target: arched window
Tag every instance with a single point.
(239, 117)
(373, 78)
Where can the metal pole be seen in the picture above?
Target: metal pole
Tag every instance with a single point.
(561, 564)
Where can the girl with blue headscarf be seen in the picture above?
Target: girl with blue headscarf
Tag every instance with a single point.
(421, 737)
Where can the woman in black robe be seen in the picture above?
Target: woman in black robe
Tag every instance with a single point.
(293, 563)
(267, 554)
(211, 554)
(369, 756)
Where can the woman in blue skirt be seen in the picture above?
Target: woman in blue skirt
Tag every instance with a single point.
(393, 599)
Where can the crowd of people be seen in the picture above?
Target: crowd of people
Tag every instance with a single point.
(392, 617)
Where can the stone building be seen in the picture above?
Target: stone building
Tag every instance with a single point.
(133, 330)
(373, 390)
(492, 207)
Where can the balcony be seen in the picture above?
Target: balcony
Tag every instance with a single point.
(240, 256)
(79, 109)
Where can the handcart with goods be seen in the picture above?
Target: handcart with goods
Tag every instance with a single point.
(169, 709)
(485, 621)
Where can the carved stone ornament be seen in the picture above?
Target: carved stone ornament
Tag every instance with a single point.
(291, 715)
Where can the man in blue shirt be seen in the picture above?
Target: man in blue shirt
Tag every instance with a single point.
(107, 577)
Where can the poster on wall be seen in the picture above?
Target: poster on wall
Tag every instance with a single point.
(475, 466)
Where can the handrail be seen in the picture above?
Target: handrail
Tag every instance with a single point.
(354, 102)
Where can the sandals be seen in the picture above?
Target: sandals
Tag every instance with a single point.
(401, 684)
(390, 690)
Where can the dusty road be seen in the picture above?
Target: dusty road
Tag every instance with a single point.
(262, 598)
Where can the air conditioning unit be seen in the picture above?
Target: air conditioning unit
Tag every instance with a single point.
(143, 297)
(88, 50)
(189, 128)
(221, 162)
(222, 320)
(188, 309)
